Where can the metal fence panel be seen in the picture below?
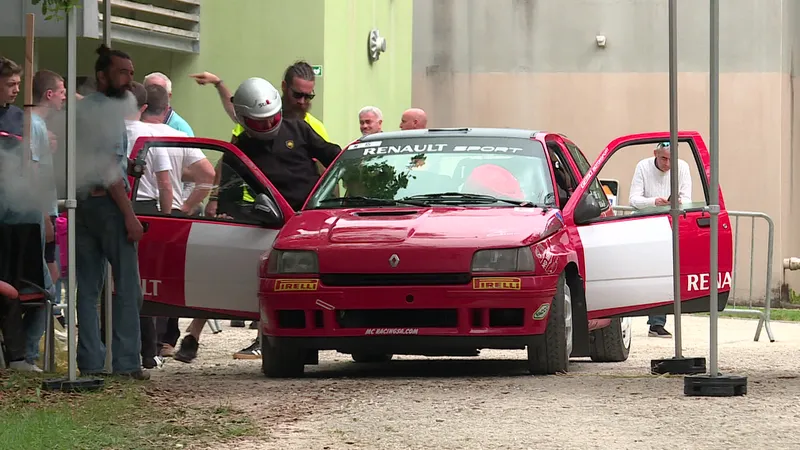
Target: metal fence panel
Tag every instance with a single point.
(763, 316)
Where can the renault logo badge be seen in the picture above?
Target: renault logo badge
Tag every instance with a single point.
(394, 260)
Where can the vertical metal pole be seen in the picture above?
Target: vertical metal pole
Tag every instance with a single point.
(109, 314)
(70, 204)
(752, 256)
(28, 94)
(768, 292)
(735, 255)
(673, 173)
(107, 22)
(714, 169)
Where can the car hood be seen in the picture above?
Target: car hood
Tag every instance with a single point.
(360, 237)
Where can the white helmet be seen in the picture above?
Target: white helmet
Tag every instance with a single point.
(257, 105)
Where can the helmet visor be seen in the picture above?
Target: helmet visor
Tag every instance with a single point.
(263, 125)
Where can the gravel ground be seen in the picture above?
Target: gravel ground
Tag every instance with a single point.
(490, 401)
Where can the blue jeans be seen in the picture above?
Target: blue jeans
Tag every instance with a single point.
(100, 236)
(33, 322)
(657, 320)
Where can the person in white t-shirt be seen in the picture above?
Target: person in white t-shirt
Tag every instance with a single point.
(651, 186)
(161, 185)
(177, 163)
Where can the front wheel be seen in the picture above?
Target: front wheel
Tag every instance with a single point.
(612, 343)
(281, 362)
(549, 353)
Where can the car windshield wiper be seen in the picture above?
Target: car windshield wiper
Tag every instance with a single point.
(370, 201)
(461, 197)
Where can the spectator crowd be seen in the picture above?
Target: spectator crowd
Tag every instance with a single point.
(114, 110)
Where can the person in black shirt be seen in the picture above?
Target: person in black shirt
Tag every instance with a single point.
(283, 149)
(287, 160)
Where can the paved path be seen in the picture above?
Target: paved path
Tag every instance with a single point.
(491, 403)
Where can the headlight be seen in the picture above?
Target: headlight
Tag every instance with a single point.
(292, 261)
(503, 260)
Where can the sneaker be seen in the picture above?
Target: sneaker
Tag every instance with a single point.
(153, 363)
(659, 331)
(254, 325)
(187, 352)
(140, 375)
(237, 323)
(251, 352)
(24, 366)
(167, 351)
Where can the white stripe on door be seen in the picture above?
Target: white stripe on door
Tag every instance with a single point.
(222, 265)
(628, 262)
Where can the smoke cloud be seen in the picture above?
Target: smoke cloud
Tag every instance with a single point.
(99, 131)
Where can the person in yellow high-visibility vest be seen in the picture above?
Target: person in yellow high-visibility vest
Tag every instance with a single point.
(297, 90)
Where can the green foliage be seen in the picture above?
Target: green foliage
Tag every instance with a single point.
(374, 178)
(56, 9)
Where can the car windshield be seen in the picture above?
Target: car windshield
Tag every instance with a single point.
(452, 170)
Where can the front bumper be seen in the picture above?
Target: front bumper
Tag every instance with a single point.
(490, 311)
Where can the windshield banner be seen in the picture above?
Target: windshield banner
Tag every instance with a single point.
(457, 145)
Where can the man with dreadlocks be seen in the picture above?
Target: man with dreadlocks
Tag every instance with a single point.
(283, 140)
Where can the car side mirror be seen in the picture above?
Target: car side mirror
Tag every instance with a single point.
(587, 209)
(267, 211)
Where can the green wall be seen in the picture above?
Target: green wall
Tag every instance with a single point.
(254, 38)
(261, 38)
(51, 54)
(350, 81)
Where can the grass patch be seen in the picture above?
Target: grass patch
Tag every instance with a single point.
(788, 315)
(124, 415)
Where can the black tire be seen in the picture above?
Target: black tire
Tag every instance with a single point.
(279, 362)
(607, 344)
(365, 358)
(547, 353)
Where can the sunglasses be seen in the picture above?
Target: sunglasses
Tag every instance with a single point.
(662, 145)
(299, 95)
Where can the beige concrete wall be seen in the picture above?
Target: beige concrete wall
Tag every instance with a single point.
(756, 120)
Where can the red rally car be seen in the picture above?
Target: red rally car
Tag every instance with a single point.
(436, 242)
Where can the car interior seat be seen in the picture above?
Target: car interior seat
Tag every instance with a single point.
(22, 267)
(563, 180)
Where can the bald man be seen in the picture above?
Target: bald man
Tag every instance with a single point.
(414, 119)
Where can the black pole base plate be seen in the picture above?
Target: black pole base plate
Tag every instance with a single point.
(678, 366)
(719, 386)
(79, 385)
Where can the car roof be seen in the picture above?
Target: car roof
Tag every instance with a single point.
(452, 132)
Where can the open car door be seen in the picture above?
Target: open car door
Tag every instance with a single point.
(627, 263)
(194, 265)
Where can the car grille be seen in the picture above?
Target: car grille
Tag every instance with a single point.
(395, 279)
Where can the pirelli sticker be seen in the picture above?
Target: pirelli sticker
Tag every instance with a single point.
(296, 285)
(497, 284)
